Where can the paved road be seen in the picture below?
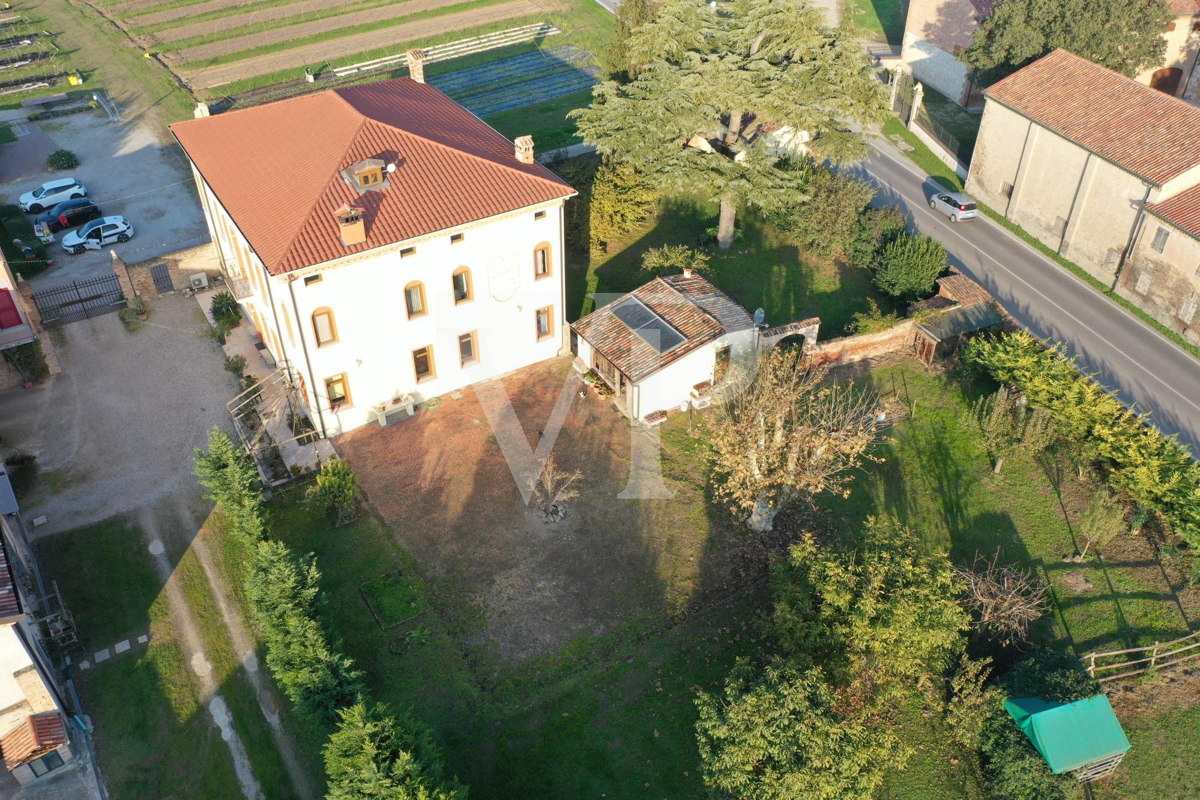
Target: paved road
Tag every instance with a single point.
(1147, 370)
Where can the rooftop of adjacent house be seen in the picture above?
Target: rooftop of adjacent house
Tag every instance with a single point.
(1142, 130)
(1182, 210)
(277, 169)
(658, 323)
(1183, 8)
(38, 734)
(10, 601)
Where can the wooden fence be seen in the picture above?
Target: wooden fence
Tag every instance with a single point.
(1140, 659)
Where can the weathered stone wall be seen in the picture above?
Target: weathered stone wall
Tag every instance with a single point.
(1165, 285)
(849, 349)
(936, 68)
(997, 155)
(1110, 200)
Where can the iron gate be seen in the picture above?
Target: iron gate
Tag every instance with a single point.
(903, 102)
(162, 279)
(79, 300)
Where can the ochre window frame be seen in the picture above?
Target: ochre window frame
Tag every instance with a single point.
(474, 337)
(549, 323)
(462, 270)
(420, 287)
(546, 248)
(287, 321)
(332, 327)
(432, 374)
(348, 402)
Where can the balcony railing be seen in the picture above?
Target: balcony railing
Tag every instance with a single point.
(239, 286)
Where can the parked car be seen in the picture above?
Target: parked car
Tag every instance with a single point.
(955, 205)
(98, 233)
(52, 213)
(50, 194)
(82, 211)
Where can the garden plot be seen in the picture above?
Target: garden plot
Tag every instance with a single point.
(178, 12)
(234, 21)
(326, 50)
(521, 80)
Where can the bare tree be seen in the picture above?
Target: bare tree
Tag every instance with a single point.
(552, 488)
(1101, 521)
(1007, 599)
(788, 436)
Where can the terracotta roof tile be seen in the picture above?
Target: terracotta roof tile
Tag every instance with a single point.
(693, 306)
(1149, 133)
(1182, 210)
(962, 290)
(275, 168)
(36, 735)
(10, 600)
(1182, 8)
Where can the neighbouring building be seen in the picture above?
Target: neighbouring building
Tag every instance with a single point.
(1078, 156)
(16, 325)
(1163, 271)
(35, 736)
(935, 34)
(937, 31)
(387, 244)
(665, 345)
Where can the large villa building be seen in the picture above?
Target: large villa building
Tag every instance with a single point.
(388, 245)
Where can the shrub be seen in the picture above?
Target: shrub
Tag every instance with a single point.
(62, 159)
(225, 308)
(1012, 768)
(909, 265)
(132, 314)
(672, 259)
(827, 222)
(232, 482)
(22, 471)
(875, 229)
(620, 200)
(335, 493)
(29, 360)
(873, 320)
(1052, 674)
(235, 366)
(580, 173)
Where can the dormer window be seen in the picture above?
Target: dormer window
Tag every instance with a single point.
(368, 175)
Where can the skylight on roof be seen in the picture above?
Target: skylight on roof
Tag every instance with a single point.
(649, 326)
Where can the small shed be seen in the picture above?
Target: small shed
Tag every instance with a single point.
(944, 327)
(1083, 737)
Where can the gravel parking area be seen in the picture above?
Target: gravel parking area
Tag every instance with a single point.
(131, 169)
(116, 430)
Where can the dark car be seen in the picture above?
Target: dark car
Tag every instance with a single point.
(54, 211)
(76, 214)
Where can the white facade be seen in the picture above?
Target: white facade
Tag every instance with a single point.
(374, 343)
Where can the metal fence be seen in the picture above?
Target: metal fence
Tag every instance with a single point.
(947, 139)
(79, 300)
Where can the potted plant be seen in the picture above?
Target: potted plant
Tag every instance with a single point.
(226, 309)
(29, 361)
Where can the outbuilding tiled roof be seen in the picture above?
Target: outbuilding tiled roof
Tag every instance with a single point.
(1182, 210)
(691, 305)
(10, 601)
(38, 734)
(1142, 130)
(1182, 8)
(275, 168)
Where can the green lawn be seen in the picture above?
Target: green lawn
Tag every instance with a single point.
(882, 20)
(6, 134)
(547, 122)
(764, 270)
(954, 120)
(1164, 755)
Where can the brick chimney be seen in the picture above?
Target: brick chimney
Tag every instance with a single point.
(416, 64)
(351, 226)
(687, 272)
(524, 147)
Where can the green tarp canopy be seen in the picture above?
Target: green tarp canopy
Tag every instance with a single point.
(1069, 735)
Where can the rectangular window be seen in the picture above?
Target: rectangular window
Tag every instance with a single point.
(414, 300)
(539, 215)
(423, 363)
(467, 352)
(1160, 239)
(541, 262)
(408, 251)
(323, 327)
(311, 279)
(545, 325)
(1188, 311)
(455, 238)
(574, 343)
(1006, 189)
(1143, 283)
(462, 286)
(1113, 256)
(338, 391)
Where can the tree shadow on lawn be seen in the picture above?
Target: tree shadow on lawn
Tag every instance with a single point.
(765, 270)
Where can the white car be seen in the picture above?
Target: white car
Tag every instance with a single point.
(50, 194)
(955, 205)
(98, 233)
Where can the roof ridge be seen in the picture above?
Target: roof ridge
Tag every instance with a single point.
(444, 146)
(286, 252)
(703, 310)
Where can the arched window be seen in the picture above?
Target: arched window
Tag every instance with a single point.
(324, 328)
(414, 299)
(542, 264)
(461, 280)
(1167, 80)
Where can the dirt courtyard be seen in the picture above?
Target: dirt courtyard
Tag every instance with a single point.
(441, 483)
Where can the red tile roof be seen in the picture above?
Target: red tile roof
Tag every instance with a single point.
(698, 310)
(10, 600)
(276, 167)
(33, 737)
(1182, 210)
(1142, 130)
(1182, 8)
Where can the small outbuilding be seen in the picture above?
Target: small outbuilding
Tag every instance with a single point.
(665, 345)
(1083, 737)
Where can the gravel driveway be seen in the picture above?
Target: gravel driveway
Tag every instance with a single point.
(130, 169)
